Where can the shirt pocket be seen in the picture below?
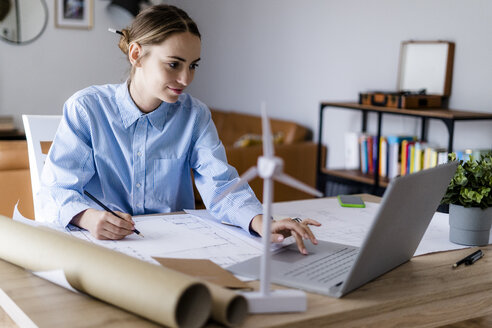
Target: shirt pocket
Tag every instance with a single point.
(167, 174)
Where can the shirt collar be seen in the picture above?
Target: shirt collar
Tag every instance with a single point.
(130, 113)
(128, 110)
(158, 116)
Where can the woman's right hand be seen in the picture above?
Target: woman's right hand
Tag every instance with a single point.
(104, 225)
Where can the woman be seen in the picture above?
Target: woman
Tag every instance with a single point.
(133, 145)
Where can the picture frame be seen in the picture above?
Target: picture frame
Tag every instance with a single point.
(426, 65)
(76, 14)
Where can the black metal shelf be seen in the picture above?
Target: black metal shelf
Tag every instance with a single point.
(377, 184)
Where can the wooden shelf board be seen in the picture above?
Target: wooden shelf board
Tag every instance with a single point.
(355, 175)
(442, 113)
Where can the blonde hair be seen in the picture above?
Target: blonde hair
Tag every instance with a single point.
(154, 25)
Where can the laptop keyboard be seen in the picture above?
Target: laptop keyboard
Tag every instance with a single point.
(325, 268)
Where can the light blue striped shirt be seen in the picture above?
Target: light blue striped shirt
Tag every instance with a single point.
(138, 163)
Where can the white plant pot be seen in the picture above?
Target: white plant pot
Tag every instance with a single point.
(469, 225)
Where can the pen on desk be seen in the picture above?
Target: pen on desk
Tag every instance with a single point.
(474, 258)
(108, 209)
(470, 259)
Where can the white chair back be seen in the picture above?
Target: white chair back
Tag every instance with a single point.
(40, 131)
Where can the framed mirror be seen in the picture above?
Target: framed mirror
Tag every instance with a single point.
(426, 65)
(22, 21)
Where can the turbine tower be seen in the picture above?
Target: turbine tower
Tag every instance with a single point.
(269, 168)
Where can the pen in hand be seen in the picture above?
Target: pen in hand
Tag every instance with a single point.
(108, 210)
(470, 259)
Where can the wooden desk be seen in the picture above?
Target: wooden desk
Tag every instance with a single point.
(425, 291)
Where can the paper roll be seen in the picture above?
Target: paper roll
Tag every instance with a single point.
(154, 292)
(228, 307)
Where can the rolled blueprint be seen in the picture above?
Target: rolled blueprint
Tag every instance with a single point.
(228, 307)
(154, 292)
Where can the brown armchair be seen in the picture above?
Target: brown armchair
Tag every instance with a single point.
(15, 179)
(296, 149)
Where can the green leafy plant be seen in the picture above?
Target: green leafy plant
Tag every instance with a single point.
(471, 185)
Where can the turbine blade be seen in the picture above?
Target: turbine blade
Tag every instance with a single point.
(267, 133)
(251, 173)
(290, 181)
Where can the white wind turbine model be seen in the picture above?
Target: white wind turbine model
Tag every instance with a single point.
(269, 168)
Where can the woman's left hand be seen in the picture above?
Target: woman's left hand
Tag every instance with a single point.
(288, 227)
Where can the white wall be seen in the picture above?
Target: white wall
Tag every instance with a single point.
(38, 77)
(291, 53)
(294, 54)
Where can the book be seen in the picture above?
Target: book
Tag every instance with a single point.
(363, 153)
(426, 157)
(352, 160)
(418, 156)
(467, 153)
(375, 145)
(395, 144)
(383, 157)
(430, 156)
(406, 153)
(411, 158)
(370, 155)
(393, 160)
(442, 157)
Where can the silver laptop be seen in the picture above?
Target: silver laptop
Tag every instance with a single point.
(406, 210)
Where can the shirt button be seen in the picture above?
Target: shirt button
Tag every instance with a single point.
(139, 154)
(138, 185)
(139, 205)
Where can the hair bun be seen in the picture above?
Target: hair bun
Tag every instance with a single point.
(124, 41)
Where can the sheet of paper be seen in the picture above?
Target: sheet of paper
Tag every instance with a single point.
(345, 225)
(56, 277)
(227, 226)
(164, 234)
(234, 247)
(350, 225)
(238, 231)
(17, 216)
(436, 238)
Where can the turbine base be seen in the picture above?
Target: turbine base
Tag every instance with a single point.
(281, 300)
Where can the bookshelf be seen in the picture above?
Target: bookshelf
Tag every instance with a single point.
(354, 177)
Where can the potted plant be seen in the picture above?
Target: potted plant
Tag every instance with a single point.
(469, 196)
